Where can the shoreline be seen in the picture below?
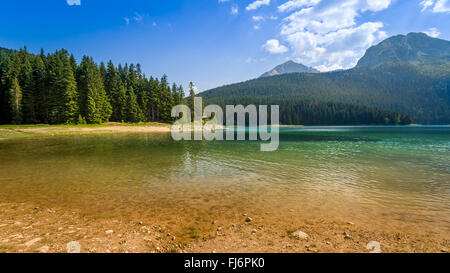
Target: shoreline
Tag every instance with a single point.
(24, 131)
(31, 228)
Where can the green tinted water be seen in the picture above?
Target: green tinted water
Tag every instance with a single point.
(387, 176)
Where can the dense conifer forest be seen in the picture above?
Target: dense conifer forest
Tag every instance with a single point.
(56, 89)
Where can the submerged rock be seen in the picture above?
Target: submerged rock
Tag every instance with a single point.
(73, 247)
(300, 235)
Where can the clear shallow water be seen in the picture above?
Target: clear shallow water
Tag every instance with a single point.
(388, 176)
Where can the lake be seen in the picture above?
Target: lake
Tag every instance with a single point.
(386, 178)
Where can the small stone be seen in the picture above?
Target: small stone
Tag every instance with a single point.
(44, 249)
(109, 231)
(173, 238)
(219, 229)
(328, 243)
(32, 242)
(346, 235)
(248, 220)
(350, 223)
(73, 247)
(158, 249)
(444, 250)
(168, 234)
(300, 235)
(254, 231)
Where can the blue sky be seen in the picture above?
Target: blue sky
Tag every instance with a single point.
(216, 42)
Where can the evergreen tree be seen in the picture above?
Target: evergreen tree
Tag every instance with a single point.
(118, 98)
(15, 102)
(133, 112)
(28, 96)
(191, 99)
(93, 101)
(68, 87)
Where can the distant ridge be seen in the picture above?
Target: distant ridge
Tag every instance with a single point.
(414, 48)
(289, 67)
(409, 74)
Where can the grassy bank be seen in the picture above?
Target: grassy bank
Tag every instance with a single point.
(39, 130)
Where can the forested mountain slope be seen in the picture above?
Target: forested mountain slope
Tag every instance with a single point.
(416, 83)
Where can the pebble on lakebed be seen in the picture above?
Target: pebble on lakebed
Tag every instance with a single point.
(300, 235)
(73, 247)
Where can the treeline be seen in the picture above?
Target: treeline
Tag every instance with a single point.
(55, 89)
(304, 112)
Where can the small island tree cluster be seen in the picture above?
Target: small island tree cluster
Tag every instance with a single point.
(55, 89)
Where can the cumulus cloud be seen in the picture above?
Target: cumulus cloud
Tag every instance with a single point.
(325, 34)
(432, 32)
(73, 2)
(257, 4)
(274, 47)
(436, 6)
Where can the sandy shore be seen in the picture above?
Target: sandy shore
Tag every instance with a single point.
(25, 227)
(90, 129)
(8, 132)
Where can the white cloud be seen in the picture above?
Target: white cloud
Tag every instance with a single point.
(436, 6)
(432, 32)
(274, 47)
(426, 4)
(326, 35)
(258, 18)
(136, 18)
(73, 2)
(257, 4)
(293, 4)
(234, 9)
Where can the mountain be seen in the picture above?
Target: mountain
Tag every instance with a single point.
(407, 74)
(289, 67)
(414, 48)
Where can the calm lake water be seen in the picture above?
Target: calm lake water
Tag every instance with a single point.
(386, 176)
